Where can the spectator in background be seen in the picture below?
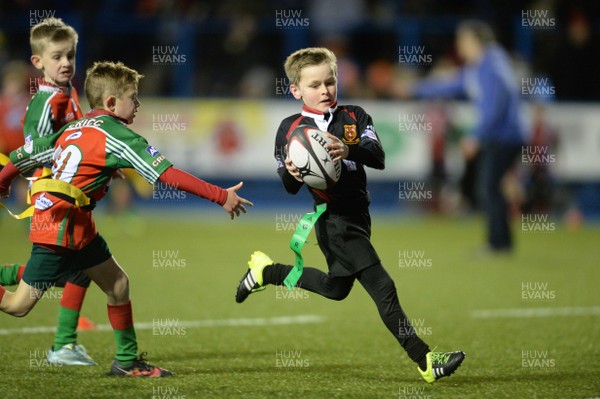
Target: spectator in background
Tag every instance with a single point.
(14, 98)
(498, 136)
(540, 187)
(335, 17)
(379, 77)
(349, 74)
(577, 61)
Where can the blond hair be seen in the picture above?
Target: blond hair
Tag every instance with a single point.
(48, 31)
(308, 57)
(107, 78)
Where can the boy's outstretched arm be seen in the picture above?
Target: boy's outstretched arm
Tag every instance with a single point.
(228, 199)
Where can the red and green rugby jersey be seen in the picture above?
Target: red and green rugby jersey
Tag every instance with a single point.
(86, 154)
(50, 109)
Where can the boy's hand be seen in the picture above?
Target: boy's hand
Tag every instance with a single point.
(338, 150)
(292, 169)
(234, 203)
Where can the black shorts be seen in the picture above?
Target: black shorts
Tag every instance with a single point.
(46, 268)
(78, 278)
(345, 240)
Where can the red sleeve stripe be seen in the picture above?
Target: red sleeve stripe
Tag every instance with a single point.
(293, 126)
(352, 115)
(321, 194)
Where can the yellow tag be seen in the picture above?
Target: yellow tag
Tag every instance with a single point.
(27, 213)
(4, 160)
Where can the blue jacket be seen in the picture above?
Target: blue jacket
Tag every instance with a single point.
(493, 88)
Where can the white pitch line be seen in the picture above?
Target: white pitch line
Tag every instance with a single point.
(248, 322)
(536, 312)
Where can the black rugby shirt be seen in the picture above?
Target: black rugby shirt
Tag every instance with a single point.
(354, 127)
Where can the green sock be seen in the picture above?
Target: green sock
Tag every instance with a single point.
(126, 346)
(66, 330)
(9, 273)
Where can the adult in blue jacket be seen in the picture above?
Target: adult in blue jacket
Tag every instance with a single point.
(488, 80)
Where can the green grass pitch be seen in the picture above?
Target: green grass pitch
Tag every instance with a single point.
(185, 270)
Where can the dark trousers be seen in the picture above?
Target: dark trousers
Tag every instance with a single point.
(495, 160)
(376, 281)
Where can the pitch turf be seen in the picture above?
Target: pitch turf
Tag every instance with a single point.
(186, 270)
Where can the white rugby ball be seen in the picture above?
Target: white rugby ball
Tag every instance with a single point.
(308, 152)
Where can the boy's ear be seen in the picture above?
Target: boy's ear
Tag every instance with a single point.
(295, 91)
(36, 60)
(109, 103)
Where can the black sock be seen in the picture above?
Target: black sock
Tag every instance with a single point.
(275, 273)
(417, 350)
(313, 280)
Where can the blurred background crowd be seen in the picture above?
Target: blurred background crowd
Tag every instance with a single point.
(237, 47)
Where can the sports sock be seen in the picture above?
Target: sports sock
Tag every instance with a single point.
(11, 273)
(121, 320)
(68, 315)
(417, 350)
(313, 280)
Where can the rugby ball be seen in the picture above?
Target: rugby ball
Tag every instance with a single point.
(308, 152)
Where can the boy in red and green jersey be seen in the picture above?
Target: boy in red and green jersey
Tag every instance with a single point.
(85, 154)
(51, 108)
(55, 103)
(108, 144)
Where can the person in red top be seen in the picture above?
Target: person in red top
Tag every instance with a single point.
(85, 155)
(13, 100)
(14, 96)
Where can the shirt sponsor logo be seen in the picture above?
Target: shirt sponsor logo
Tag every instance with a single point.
(74, 136)
(42, 202)
(28, 147)
(157, 161)
(152, 151)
